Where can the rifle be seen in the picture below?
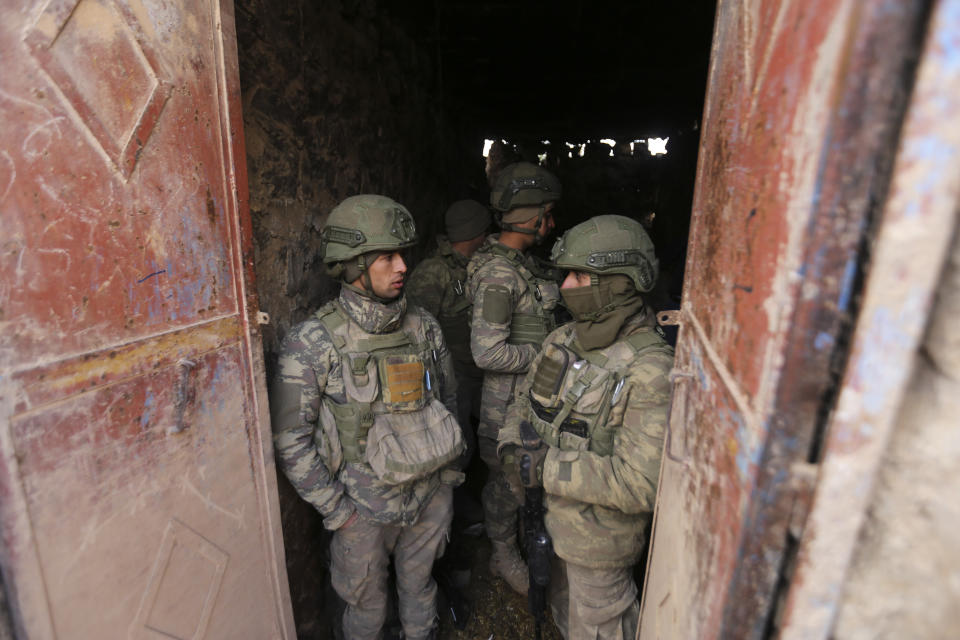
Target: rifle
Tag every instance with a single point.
(536, 541)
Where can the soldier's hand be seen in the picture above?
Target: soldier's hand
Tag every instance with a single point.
(353, 518)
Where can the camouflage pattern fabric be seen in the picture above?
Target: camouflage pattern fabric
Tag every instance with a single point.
(311, 456)
(439, 285)
(598, 503)
(499, 503)
(360, 555)
(588, 603)
(492, 274)
(503, 363)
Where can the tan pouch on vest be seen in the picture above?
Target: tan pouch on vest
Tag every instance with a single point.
(402, 447)
(402, 380)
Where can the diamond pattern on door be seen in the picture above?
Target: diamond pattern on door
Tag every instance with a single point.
(183, 586)
(97, 55)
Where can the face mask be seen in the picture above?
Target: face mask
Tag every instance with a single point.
(601, 309)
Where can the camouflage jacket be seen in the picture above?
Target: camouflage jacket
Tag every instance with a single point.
(439, 285)
(310, 455)
(600, 480)
(508, 296)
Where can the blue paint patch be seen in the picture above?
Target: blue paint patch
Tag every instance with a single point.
(947, 40)
(846, 288)
(148, 409)
(822, 341)
(698, 370)
(885, 335)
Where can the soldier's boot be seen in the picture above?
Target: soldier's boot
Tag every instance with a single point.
(505, 561)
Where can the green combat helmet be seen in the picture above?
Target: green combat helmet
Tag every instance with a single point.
(361, 224)
(523, 184)
(609, 244)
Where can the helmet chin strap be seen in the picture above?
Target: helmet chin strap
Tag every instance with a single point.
(538, 238)
(368, 283)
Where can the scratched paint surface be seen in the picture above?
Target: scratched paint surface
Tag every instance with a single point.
(88, 256)
(137, 490)
(777, 219)
(918, 224)
(96, 456)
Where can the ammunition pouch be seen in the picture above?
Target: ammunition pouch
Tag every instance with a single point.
(402, 447)
(392, 419)
(529, 328)
(563, 384)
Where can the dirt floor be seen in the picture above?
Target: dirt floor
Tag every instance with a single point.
(496, 611)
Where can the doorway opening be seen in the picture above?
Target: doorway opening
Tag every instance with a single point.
(424, 102)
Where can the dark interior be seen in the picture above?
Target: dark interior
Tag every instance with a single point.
(365, 96)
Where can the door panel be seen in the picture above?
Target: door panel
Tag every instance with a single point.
(804, 102)
(111, 248)
(136, 473)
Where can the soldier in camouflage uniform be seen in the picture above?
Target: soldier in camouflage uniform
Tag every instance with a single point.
(513, 303)
(439, 285)
(592, 413)
(359, 384)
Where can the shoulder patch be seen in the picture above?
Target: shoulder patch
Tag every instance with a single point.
(496, 304)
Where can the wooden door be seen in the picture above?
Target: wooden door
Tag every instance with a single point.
(136, 470)
(804, 105)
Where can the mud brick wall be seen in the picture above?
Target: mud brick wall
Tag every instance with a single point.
(337, 101)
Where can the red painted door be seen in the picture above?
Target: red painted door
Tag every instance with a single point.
(136, 471)
(804, 104)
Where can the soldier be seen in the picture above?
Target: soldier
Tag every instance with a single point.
(363, 418)
(592, 413)
(439, 285)
(513, 303)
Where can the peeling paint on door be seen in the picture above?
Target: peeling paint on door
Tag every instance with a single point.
(136, 470)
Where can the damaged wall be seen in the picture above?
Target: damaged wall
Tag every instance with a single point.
(337, 101)
(904, 580)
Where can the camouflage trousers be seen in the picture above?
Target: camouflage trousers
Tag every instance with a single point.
(360, 555)
(499, 504)
(594, 604)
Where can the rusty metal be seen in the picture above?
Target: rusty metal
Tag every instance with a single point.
(804, 101)
(670, 318)
(909, 252)
(673, 424)
(127, 249)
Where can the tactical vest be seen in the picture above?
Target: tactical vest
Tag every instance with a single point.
(529, 328)
(393, 418)
(574, 391)
(455, 318)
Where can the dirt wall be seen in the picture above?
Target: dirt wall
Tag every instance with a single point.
(905, 577)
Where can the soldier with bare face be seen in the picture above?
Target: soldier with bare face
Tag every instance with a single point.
(363, 413)
(513, 303)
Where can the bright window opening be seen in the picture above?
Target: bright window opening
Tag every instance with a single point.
(657, 146)
(486, 147)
